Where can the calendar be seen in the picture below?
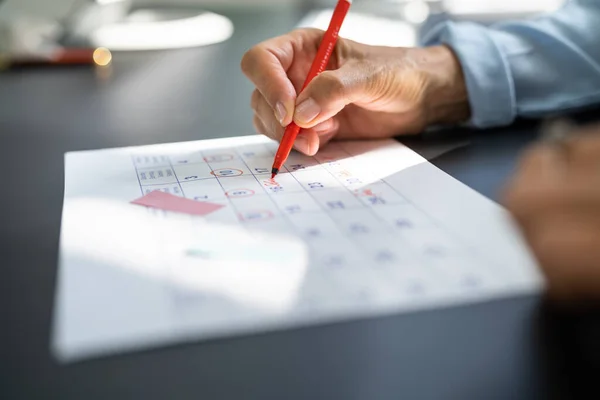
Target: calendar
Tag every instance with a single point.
(363, 228)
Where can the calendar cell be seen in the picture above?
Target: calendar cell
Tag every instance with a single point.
(315, 181)
(192, 172)
(239, 183)
(156, 176)
(195, 157)
(378, 194)
(151, 160)
(260, 166)
(171, 189)
(297, 203)
(337, 200)
(282, 184)
(205, 190)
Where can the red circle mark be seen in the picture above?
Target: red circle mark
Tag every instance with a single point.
(216, 172)
(365, 192)
(230, 193)
(256, 215)
(270, 183)
(218, 158)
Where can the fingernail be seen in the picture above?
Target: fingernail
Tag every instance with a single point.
(301, 144)
(280, 113)
(307, 111)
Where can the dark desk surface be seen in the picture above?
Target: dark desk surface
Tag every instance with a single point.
(485, 351)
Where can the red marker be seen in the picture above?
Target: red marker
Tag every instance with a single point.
(319, 64)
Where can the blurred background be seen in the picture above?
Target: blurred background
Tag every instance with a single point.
(166, 70)
(154, 24)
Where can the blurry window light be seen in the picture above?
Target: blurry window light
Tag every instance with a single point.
(416, 12)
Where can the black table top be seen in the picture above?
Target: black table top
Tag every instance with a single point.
(493, 350)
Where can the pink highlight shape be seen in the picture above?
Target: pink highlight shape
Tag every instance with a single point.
(169, 202)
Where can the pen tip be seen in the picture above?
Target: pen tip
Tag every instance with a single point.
(274, 172)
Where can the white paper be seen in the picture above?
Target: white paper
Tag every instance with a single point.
(362, 229)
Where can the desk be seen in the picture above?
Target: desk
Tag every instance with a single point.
(482, 351)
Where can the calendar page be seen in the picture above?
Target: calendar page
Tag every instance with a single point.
(363, 228)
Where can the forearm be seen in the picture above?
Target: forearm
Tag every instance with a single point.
(531, 68)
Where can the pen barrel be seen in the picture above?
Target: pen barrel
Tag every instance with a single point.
(285, 147)
(319, 64)
(329, 40)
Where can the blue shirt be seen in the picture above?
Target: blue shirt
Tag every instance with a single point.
(547, 65)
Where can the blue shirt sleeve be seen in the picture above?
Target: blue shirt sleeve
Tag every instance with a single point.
(531, 68)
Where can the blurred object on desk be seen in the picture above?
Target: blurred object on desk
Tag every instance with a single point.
(123, 25)
(25, 34)
(60, 56)
(158, 29)
(33, 40)
(120, 24)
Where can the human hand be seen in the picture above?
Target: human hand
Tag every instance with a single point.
(367, 92)
(555, 198)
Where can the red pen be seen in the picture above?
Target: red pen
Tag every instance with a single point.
(59, 57)
(319, 64)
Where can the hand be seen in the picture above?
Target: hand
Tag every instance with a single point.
(555, 197)
(367, 92)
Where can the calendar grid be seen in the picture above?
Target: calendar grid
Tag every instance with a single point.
(436, 223)
(176, 177)
(354, 232)
(137, 175)
(323, 209)
(221, 185)
(270, 197)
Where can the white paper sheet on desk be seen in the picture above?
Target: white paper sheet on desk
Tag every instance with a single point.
(362, 229)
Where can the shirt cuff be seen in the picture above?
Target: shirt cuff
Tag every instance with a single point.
(487, 73)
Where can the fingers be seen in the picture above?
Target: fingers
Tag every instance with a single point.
(541, 164)
(263, 111)
(331, 91)
(308, 141)
(568, 252)
(539, 175)
(555, 198)
(265, 65)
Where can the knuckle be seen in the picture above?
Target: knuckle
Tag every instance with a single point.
(331, 83)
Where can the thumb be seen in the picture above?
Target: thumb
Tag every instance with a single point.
(331, 91)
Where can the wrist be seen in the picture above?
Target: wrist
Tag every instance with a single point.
(446, 99)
